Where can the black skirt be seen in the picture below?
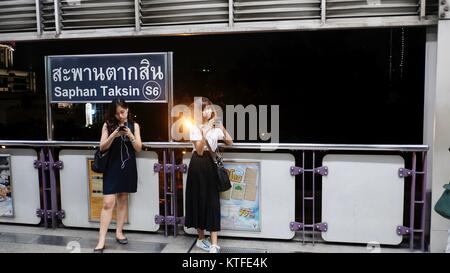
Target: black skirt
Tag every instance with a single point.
(121, 172)
(202, 196)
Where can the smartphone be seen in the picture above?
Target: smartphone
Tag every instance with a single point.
(122, 128)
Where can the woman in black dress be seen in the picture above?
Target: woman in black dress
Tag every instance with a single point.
(202, 196)
(121, 138)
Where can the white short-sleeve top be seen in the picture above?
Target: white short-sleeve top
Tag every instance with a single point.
(213, 135)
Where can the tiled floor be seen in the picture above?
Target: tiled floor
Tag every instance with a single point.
(19, 238)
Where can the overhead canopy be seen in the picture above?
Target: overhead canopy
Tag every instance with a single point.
(47, 19)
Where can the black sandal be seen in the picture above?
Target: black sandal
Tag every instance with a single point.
(122, 241)
(99, 250)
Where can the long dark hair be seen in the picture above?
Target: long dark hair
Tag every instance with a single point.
(110, 116)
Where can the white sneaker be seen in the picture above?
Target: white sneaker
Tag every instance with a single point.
(214, 249)
(203, 244)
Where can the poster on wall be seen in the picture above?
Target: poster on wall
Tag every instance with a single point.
(96, 195)
(240, 204)
(6, 197)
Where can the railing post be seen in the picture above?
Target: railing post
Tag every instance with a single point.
(57, 214)
(166, 213)
(303, 198)
(40, 165)
(424, 199)
(313, 195)
(174, 194)
(412, 203)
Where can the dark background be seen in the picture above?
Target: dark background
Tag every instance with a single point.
(340, 86)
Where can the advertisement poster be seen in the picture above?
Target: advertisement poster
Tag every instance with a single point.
(96, 195)
(240, 204)
(6, 201)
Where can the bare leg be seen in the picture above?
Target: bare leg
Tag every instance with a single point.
(122, 212)
(109, 201)
(201, 234)
(213, 237)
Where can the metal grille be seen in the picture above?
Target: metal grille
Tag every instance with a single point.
(167, 12)
(93, 14)
(370, 8)
(47, 15)
(23, 19)
(17, 15)
(248, 10)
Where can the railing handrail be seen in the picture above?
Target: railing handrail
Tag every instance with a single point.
(243, 146)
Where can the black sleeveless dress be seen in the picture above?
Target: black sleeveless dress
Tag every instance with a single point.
(121, 172)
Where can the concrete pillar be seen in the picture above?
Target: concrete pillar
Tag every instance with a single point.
(439, 137)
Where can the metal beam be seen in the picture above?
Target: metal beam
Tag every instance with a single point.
(238, 27)
(239, 146)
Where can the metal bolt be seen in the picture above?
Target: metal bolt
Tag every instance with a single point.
(443, 2)
(446, 8)
(442, 15)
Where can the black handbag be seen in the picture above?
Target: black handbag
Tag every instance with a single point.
(100, 161)
(224, 180)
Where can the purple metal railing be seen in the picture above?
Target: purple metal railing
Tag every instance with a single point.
(411, 229)
(295, 226)
(47, 167)
(46, 163)
(170, 192)
(424, 199)
(421, 202)
(403, 172)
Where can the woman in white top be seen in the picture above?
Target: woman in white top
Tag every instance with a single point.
(202, 195)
